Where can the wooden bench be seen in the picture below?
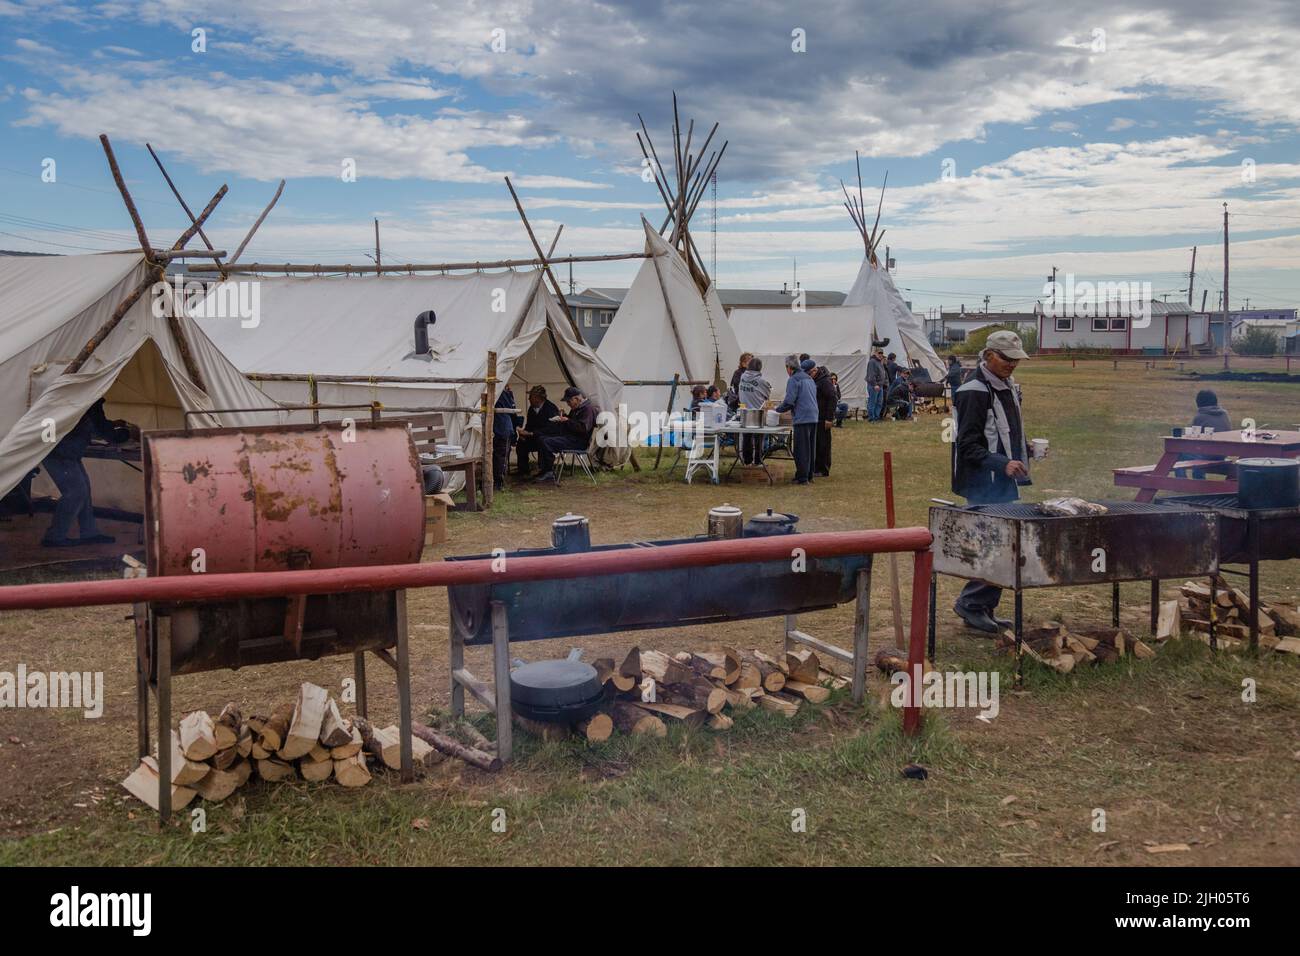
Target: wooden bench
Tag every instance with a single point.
(429, 431)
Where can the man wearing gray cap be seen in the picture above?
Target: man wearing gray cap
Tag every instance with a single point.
(801, 402)
(990, 457)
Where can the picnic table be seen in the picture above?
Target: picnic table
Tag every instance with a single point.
(1225, 446)
(707, 454)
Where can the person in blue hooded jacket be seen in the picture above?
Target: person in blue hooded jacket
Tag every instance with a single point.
(801, 401)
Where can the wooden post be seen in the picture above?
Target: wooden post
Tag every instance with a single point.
(489, 428)
(378, 262)
(359, 676)
(546, 266)
(501, 680)
(313, 399)
(145, 247)
(861, 632)
(672, 396)
(155, 274)
(269, 206)
(893, 558)
(403, 687)
(164, 665)
(672, 319)
(184, 205)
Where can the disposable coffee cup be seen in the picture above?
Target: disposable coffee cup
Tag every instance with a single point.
(1038, 448)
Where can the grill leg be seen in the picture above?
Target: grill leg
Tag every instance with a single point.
(501, 680)
(457, 663)
(1252, 536)
(934, 596)
(1020, 632)
(359, 673)
(1214, 614)
(142, 621)
(164, 722)
(1114, 604)
(861, 632)
(1155, 605)
(403, 689)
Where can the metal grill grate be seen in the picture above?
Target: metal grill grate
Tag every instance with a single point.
(1027, 510)
(1208, 501)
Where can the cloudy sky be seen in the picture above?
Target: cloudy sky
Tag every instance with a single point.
(1103, 141)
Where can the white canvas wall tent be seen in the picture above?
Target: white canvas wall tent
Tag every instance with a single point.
(50, 308)
(364, 327)
(838, 337)
(665, 326)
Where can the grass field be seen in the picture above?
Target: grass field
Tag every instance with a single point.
(1167, 748)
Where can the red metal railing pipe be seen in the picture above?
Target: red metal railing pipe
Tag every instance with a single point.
(226, 587)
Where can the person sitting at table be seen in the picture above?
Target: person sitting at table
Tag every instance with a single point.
(63, 465)
(698, 394)
(714, 394)
(1209, 414)
(572, 431)
(841, 406)
(537, 422)
(754, 393)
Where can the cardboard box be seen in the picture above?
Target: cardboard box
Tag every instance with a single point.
(435, 517)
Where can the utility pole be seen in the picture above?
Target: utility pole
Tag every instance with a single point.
(1227, 332)
(1191, 277)
(377, 260)
(1204, 294)
(1053, 281)
(571, 278)
(986, 305)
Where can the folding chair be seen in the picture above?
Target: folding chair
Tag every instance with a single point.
(573, 457)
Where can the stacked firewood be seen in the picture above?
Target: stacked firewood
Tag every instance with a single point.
(649, 690)
(1279, 624)
(1062, 649)
(212, 757)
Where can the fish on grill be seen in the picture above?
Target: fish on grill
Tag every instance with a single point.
(1070, 508)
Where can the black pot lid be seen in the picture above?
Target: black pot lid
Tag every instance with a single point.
(770, 517)
(555, 684)
(1268, 463)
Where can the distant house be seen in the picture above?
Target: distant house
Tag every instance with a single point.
(949, 328)
(733, 299)
(1167, 328)
(594, 310)
(1279, 320)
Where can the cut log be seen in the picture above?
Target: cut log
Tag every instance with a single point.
(1141, 651)
(725, 658)
(631, 666)
(719, 722)
(769, 660)
(143, 784)
(334, 730)
(663, 668)
(835, 680)
(454, 748)
(198, 738)
(543, 730)
(218, 785)
(738, 699)
(631, 718)
(225, 759)
(384, 743)
(316, 771)
(308, 716)
(273, 769)
(228, 726)
(245, 742)
(750, 675)
(771, 677)
(258, 752)
(243, 769)
(891, 660)
(318, 752)
(690, 716)
(803, 664)
(346, 750)
(714, 669)
(272, 730)
(1286, 620)
(813, 693)
(596, 728)
(185, 772)
(780, 703)
(1078, 650)
(352, 771)
(1195, 591)
(610, 676)
(1288, 645)
(1169, 623)
(696, 694)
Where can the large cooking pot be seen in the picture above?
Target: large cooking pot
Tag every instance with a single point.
(1268, 483)
(751, 417)
(770, 523)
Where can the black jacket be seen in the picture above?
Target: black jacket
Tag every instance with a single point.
(94, 424)
(979, 454)
(826, 397)
(538, 420)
